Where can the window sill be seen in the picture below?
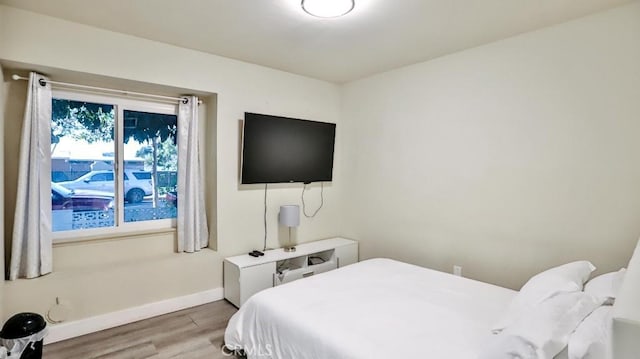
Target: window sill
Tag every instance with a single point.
(60, 242)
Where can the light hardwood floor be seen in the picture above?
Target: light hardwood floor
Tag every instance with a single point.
(192, 333)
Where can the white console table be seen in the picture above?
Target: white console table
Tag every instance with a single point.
(245, 275)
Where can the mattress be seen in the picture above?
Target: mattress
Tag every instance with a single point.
(378, 308)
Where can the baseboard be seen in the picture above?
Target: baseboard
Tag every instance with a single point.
(62, 331)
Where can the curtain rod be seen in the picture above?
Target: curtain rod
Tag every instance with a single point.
(103, 89)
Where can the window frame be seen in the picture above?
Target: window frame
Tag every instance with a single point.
(120, 228)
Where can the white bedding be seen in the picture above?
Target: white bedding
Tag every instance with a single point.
(378, 308)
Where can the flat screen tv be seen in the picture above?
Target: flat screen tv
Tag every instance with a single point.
(281, 150)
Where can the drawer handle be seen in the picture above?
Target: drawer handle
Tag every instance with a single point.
(308, 274)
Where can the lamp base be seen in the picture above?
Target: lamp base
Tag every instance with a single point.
(290, 249)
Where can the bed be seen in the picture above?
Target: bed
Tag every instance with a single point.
(381, 308)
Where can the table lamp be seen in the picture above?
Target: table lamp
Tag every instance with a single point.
(289, 216)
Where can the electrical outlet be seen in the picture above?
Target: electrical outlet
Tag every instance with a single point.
(457, 270)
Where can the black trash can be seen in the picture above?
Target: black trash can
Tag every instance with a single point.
(22, 336)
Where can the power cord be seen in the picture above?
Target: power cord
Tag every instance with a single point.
(304, 207)
(264, 248)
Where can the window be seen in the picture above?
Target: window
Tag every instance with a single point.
(101, 177)
(113, 162)
(141, 175)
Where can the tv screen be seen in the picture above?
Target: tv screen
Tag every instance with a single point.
(279, 150)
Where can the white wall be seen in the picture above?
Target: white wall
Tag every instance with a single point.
(103, 276)
(2, 105)
(506, 158)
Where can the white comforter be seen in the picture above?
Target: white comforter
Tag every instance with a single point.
(378, 308)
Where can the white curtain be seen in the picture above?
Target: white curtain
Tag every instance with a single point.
(31, 249)
(192, 218)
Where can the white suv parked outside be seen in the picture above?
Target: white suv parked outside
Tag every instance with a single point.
(137, 184)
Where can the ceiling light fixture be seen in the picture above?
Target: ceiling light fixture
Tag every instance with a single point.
(328, 8)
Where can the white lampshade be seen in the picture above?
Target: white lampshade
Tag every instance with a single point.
(328, 8)
(290, 215)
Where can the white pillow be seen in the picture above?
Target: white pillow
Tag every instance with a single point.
(548, 325)
(566, 278)
(606, 286)
(592, 338)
